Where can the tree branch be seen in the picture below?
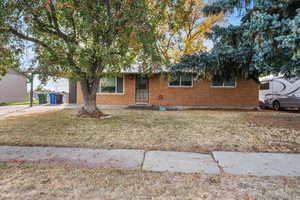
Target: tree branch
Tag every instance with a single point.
(74, 26)
(56, 25)
(108, 8)
(28, 38)
(43, 26)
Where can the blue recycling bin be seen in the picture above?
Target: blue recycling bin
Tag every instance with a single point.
(162, 108)
(52, 98)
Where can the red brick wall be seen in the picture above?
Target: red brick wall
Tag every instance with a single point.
(114, 99)
(201, 94)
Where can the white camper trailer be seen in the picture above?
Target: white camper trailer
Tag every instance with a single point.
(280, 92)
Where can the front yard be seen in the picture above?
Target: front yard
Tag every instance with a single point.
(195, 131)
(18, 103)
(72, 183)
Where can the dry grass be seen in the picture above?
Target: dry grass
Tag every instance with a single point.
(70, 183)
(196, 131)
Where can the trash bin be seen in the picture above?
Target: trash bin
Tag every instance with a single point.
(42, 98)
(52, 98)
(56, 98)
(59, 98)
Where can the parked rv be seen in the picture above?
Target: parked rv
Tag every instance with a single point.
(279, 93)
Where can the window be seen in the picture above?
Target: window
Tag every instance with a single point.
(223, 82)
(181, 81)
(264, 86)
(111, 85)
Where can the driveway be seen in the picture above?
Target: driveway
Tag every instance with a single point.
(11, 111)
(4, 110)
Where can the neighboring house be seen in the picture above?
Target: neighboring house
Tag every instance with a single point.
(13, 87)
(183, 91)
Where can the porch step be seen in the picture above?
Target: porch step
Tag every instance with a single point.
(142, 106)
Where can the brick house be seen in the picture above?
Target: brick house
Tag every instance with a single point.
(182, 91)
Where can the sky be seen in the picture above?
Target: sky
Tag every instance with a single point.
(61, 85)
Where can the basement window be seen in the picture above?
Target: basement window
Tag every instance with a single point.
(181, 81)
(111, 85)
(218, 81)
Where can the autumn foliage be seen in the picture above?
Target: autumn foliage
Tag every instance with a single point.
(182, 30)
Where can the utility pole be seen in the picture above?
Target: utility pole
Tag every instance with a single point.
(31, 87)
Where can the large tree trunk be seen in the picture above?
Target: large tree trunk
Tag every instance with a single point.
(89, 88)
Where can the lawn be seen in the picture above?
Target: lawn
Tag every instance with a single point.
(18, 103)
(74, 183)
(193, 131)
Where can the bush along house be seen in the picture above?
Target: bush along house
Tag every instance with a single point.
(182, 91)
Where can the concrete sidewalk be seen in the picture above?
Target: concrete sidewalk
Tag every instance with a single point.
(256, 164)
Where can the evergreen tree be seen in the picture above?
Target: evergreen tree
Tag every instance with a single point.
(266, 42)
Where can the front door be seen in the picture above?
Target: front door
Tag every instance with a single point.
(142, 93)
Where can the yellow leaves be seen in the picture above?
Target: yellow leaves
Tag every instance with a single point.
(188, 29)
(172, 54)
(164, 27)
(177, 54)
(188, 45)
(193, 4)
(152, 4)
(211, 21)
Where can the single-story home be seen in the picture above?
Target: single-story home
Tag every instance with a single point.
(179, 91)
(13, 87)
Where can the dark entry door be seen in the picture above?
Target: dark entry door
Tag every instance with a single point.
(142, 92)
(72, 92)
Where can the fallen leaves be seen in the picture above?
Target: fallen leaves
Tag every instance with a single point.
(191, 131)
(66, 183)
(249, 198)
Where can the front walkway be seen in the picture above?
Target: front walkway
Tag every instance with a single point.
(256, 164)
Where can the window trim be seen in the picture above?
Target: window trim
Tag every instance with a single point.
(182, 86)
(116, 82)
(212, 86)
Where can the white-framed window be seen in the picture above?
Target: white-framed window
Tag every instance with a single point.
(111, 85)
(220, 82)
(183, 80)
